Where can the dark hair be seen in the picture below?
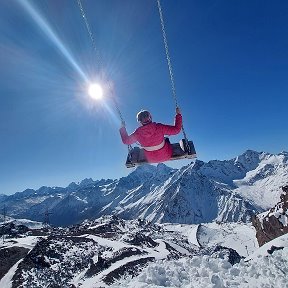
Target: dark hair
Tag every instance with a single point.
(144, 117)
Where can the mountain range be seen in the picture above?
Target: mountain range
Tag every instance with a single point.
(225, 191)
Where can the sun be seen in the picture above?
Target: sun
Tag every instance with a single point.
(95, 91)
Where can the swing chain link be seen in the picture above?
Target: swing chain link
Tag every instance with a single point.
(167, 54)
(89, 30)
(130, 148)
(87, 24)
(187, 146)
(118, 109)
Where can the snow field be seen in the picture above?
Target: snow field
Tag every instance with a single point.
(205, 272)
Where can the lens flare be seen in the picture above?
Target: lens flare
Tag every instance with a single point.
(46, 28)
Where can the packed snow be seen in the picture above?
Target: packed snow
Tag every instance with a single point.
(261, 270)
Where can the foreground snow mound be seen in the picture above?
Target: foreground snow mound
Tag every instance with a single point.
(262, 270)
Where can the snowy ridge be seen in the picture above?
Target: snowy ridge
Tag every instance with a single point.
(230, 190)
(271, 172)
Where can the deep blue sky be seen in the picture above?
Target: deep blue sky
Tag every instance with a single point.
(230, 60)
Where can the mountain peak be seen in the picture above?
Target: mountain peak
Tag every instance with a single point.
(284, 154)
(86, 182)
(151, 171)
(251, 153)
(72, 186)
(164, 169)
(249, 159)
(144, 170)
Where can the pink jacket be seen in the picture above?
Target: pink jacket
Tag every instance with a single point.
(153, 134)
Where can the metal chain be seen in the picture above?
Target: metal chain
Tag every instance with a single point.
(167, 54)
(87, 24)
(170, 69)
(97, 52)
(130, 148)
(118, 109)
(89, 30)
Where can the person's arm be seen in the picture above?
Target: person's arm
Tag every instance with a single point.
(127, 139)
(176, 128)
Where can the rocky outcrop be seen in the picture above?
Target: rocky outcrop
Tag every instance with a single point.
(11, 229)
(273, 223)
(226, 253)
(54, 261)
(9, 257)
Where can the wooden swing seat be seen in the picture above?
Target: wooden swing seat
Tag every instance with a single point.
(137, 157)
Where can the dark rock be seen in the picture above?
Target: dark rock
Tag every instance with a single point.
(226, 253)
(124, 253)
(142, 240)
(174, 254)
(68, 255)
(130, 268)
(103, 263)
(13, 230)
(97, 267)
(274, 248)
(9, 257)
(270, 226)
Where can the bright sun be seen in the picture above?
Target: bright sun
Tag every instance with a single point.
(95, 91)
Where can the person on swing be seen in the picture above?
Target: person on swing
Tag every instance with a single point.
(151, 136)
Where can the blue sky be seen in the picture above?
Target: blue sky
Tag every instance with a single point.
(230, 62)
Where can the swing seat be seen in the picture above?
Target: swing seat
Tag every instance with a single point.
(137, 157)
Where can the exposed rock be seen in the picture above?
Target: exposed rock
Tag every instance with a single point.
(103, 263)
(9, 257)
(140, 239)
(131, 268)
(273, 223)
(11, 229)
(274, 248)
(54, 260)
(226, 253)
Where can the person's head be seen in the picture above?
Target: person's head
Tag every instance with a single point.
(144, 117)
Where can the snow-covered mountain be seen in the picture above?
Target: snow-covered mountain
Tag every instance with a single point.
(230, 190)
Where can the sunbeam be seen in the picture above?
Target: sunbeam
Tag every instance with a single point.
(111, 113)
(52, 36)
